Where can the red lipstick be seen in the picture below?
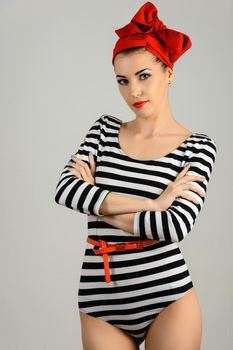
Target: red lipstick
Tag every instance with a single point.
(139, 104)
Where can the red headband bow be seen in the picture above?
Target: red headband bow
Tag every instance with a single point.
(146, 29)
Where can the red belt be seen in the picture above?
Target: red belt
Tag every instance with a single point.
(119, 247)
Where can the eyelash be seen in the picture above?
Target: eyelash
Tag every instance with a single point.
(140, 76)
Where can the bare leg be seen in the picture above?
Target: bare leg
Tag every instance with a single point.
(178, 326)
(98, 334)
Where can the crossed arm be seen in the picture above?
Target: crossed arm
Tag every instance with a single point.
(139, 216)
(119, 210)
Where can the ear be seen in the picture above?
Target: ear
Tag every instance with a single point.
(170, 74)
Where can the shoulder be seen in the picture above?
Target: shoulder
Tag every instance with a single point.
(104, 119)
(109, 122)
(108, 118)
(204, 139)
(203, 144)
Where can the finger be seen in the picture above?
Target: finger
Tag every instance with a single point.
(189, 186)
(189, 178)
(189, 198)
(74, 157)
(183, 171)
(194, 178)
(75, 172)
(78, 166)
(195, 189)
(85, 168)
(83, 172)
(92, 163)
(74, 163)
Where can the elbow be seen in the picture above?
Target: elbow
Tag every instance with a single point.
(61, 199)
(56, 199)
(69, 201)
(179, 236)
(65, 191)
(58, 195)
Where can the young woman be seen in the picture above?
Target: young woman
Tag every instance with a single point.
(142, 184)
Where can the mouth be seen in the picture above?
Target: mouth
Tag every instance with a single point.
(139, 103)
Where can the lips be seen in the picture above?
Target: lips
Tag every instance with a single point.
(139, 103)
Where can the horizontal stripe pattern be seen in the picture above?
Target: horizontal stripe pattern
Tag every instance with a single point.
(75, 193)
(173, 224)
(143, 282)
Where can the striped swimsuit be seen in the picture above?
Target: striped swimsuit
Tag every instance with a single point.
(143, 282)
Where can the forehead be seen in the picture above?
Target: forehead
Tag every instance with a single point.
(133, 62)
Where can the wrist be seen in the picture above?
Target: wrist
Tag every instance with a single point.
(153, 205)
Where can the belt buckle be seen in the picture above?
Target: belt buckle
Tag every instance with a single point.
(120, 248)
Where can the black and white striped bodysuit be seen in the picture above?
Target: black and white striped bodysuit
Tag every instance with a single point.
(143, 282)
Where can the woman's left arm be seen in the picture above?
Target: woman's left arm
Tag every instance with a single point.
(173, 224)
(122, 221)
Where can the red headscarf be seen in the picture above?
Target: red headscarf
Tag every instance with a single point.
(146, 29)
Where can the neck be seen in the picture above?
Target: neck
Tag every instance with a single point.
(158, 122)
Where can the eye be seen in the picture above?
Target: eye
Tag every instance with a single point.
(125, 80)
(145, 74)
(119, 81)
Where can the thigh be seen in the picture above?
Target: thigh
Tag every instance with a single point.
(100, 335)
(178, 326)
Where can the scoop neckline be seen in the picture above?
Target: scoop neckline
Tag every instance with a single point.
(150, 160)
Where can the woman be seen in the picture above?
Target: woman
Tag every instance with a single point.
(142, 184)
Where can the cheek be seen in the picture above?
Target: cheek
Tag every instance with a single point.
(123, 93)
(156, 88)
(120, 89)
(153, 89)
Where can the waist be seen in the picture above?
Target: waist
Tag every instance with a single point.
(106, 248)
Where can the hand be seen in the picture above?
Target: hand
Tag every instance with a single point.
(176, 189)
(82, 171)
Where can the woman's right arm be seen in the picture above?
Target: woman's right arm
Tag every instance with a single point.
(115, 204)
(77, 194)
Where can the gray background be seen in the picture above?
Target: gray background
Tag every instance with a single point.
(56, 80)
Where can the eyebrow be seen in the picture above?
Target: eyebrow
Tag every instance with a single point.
(122, 76)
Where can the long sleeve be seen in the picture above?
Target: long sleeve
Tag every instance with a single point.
(75, 193)
(173, 224)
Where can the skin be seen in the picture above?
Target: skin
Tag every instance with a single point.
(179, 325)
(155, 116)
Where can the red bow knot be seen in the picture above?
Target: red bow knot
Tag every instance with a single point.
(143, 23)
(146, 29)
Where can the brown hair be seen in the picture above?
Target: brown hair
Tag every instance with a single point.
(142, 48)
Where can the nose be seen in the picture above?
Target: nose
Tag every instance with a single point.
(135, 91)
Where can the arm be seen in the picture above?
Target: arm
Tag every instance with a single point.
(115, 204)
(79, 195)
(176, 222)
(75, 193)
(173, 224)
(125, 222)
